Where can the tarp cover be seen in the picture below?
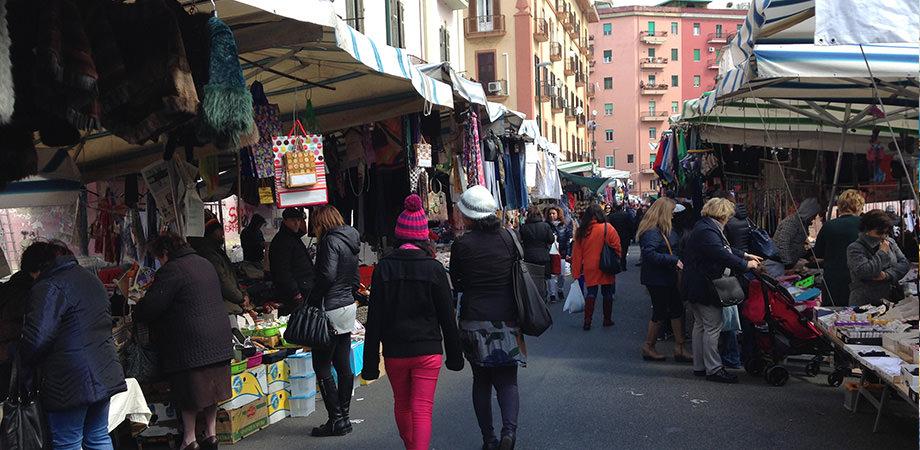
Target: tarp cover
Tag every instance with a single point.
(841, 22)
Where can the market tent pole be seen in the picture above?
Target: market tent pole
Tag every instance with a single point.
(843, 139)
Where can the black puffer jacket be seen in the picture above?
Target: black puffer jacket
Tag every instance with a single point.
(536, 238)
(336, 268)
(185, 310)
(738, 230)
(291, 266)
(67, 334)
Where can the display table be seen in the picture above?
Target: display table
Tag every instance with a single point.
(869, 366)
(130, 405)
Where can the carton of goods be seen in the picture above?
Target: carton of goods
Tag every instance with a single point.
(278, 406)
(909, 373)
(278, 375)
(247, 387)
(236, 424)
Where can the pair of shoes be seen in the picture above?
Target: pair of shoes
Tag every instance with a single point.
(338, 423)
(490, 443)
(699, 373)
(507, 442)
(209, 443)
(723, 376)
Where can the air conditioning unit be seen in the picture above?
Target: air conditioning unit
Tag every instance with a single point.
(712, 49)
(495, 87)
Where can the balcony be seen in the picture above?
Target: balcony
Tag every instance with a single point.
(581, 79)
(712, 64)
(653, 63)
(570, 66)
(653, 116)
(557, 104)
(484, 26)
(592, 90)
(717, 38)
(647, 169)
(548, 91)
(555, 51)
(581, 120)
(567, 20)
(653, 89)
(653, 37)
(496, 89)
(570, 113)
(540, 30)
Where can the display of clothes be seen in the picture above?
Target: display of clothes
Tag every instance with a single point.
(513, 160)
(472, 150)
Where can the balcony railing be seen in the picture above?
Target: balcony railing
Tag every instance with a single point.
(653, 116)
(653, 63)
(557, 103)
(581, 78)
(570, 66)
(569, 113)
(592, 90)
(567, 20)
(548, 91)
(717, 38)
(555, 51)
(540, 30)
(484, 26)
(581, 119)
(653, 37)
(713, 64)
(653, 89)
(497, 88)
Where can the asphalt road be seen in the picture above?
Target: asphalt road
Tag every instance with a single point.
(591, 390)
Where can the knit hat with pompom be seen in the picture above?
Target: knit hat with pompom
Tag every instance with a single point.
(412, 224)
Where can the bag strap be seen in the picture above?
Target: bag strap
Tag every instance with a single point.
(517, 244)
(15, 391)
(294, 127)
(666, 242)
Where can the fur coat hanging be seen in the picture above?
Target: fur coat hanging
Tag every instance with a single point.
(227, 103)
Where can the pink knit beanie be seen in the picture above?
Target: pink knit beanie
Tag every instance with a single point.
(412, 224)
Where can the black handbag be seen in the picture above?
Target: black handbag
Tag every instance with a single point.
(533, 315)
(24, 426)
(309, 326)
(610, 261)
(727, 288)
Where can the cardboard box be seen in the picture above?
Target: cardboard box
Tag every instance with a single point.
(246, 388)
(236, 424)
(278, 376)
(278, 406)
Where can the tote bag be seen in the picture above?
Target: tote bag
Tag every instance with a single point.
(533, 315)
(309, 326)
(610, 261)
(24, 426)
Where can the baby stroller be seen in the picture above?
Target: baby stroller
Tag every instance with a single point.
(774, 329)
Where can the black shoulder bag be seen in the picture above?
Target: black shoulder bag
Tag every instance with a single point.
(533, 315)
(610, 261)
(24, 426)
(727, 288)
(309, 326)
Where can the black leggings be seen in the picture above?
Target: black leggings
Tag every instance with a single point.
(338, 355)
(666, 304)
(504, 380)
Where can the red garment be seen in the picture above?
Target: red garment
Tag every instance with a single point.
(414, 381)
(586, 254)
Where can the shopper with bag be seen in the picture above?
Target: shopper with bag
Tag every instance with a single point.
(336, 278)
(706, 257)
(67, 341)
(562, 229)
(289, 261)
(661, 267)
(184, 309)
(876, 262)
(411, 312)
(481, 269)
(593, 237)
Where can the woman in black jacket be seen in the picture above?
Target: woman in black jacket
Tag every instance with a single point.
(536, 238)
(336, 277)
(67, 336)
(411, 313)
(189, 327)
(481, 265)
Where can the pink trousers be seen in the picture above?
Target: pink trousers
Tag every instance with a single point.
(414, 381)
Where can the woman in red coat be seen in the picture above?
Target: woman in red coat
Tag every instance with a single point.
(593, 233)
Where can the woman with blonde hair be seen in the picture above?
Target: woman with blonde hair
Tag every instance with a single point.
(660, 266)
(705, 258)
(336, 275)
(833, 240)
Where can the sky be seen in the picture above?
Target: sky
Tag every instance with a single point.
(714, 4)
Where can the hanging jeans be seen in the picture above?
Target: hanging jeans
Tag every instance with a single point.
(414, 380)
(515, 184)
(85, 427)
(504, 380)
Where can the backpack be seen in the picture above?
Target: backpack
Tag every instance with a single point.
(761, 243)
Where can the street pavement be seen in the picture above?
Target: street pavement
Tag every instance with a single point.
(591, 390)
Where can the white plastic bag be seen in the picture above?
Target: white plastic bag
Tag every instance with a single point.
(566, 268)
(575, 301)
(554, 249)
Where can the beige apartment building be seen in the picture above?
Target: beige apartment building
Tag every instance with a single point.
(533, 57)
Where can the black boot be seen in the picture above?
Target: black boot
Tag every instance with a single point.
(344, 404)
(507, 442)
(335, 426)
(490, 443)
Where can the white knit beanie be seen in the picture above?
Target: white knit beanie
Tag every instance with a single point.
(477, 203)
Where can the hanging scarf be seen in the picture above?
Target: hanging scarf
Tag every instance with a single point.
(227, 105)
(472, 152)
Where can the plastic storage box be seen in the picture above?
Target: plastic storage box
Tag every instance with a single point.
(302, 406)
(300, 364)
(357, 357)
(301, 386)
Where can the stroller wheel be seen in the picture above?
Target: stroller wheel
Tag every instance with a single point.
(777, 375)
(813, 369)
(755, 366)
(835, 378)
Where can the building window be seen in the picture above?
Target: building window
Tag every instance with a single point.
(652, 133)
(675, 107)
(696, 81)
(608, 109)
(396, 32)
(651, 80)
(444, 40)
(673, 27)
(674, 54)
(608, 56)
(696, 55)
(719, 30)
(651, 53)
(654, 184)
(608, 161)
(630, 159)
(651, 28)
(608, 135)
(608, 83)
(608, 29)
(354, 13)
(651, 107)
(675, 81)
(696, 29)
(652, 157)
(485, 68)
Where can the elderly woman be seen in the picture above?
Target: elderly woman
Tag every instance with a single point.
(705, 258)
(833, 240)
(876, 263)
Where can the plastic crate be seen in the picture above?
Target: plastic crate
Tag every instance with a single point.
(357, 357)
(302, 406)
(300, 364)
(302, 386)
(238, 367)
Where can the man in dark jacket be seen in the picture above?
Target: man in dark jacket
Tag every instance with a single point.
(211, 247)
(67, 335)
(738, 230)
(291, 266)
(624, 223)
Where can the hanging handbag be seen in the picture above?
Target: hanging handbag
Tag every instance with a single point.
(533, 315)
(610, 260)
(309, 326)
(727, 288)
(491, 147)
(24, 425)
(422, 152)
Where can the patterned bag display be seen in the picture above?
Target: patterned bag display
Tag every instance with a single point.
(437, 203)
(422, 153)
(305, 185)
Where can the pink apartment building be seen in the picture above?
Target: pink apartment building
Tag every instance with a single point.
(647, 61)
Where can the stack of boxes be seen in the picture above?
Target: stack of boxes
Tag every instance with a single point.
(279, 385)
(302, 399)
(247, 409)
